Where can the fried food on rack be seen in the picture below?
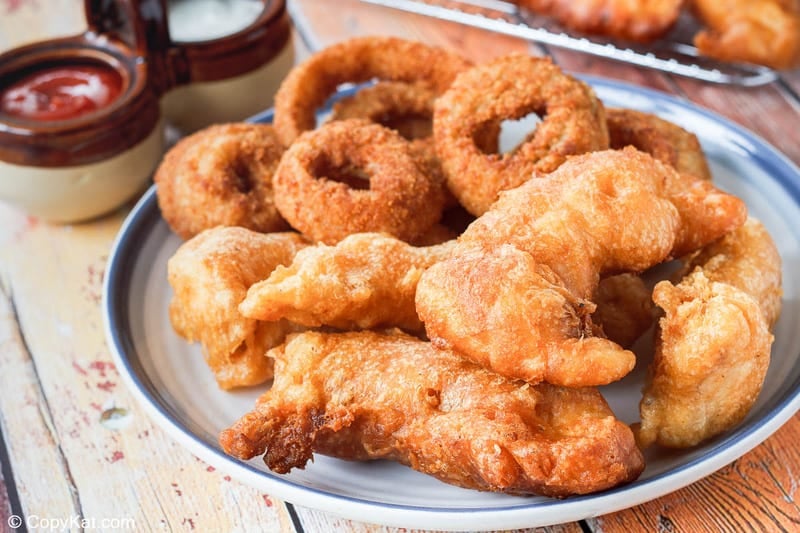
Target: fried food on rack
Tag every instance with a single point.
(367, 395)
(625, 309)
(210, 275)
(764, 32)
(515, 293)
(713, 343)
(367, 280)
(632, 20)
(221, 176)
(660, 138)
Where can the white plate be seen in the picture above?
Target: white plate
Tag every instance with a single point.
(172, 382)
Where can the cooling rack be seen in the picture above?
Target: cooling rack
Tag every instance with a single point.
(673, 55)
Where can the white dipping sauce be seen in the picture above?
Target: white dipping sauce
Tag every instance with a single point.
(203, 20)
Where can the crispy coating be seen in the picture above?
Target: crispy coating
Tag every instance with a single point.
(404, 107)
(509, 88)
(633, 20)
(624, 308)
(660, 138)
(356, 60)
(515, 294)
(319, 184)
(210, 275)
(367, 280)
(368, 395)
(713, 344)
(765, 32)
(748, 259)
(408, 109)
(221, 176)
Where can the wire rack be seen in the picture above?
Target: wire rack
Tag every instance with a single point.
(673, 55)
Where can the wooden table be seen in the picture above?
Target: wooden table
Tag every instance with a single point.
(59, 461)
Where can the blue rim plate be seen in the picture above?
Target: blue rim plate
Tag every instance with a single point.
(170, 379)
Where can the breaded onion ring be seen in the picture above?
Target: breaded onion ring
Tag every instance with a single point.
(357, 60)
(405, 107)
(318, 184)
(408, 109)
(660, 138)
(512, 87)
(221, 176)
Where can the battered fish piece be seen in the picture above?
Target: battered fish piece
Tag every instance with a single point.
(633, 20)
(713, 344)
(367, 395)
(515, 294)
(210, 275)
(367, 280)
(748, 259)
(765, 32)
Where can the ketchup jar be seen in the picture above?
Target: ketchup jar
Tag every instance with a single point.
(80, 124)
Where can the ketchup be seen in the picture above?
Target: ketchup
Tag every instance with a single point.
(61, 92)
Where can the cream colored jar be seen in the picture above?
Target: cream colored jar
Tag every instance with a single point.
(200, 104)
(77, 193)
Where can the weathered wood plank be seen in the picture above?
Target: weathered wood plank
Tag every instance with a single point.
(757, 492)
(58, 380)
(763, 109)
(316, 522)
(792, 79)
(22, 21)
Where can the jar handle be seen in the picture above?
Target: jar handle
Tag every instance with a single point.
(142, 26)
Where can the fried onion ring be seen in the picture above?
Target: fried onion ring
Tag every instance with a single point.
(408, 109)
(221, 176)
(319, 184)
(664, 140)
(510, 88)
(405, 107)
(357, 60)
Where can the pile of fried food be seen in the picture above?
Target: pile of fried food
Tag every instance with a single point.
(764, 32)
(416, 295)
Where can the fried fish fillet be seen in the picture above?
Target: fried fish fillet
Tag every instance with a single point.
(713, 344)
(368, 395)
(633, 20)
(765, 32)
(367, 280)
(515, 294)
(210, 275)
